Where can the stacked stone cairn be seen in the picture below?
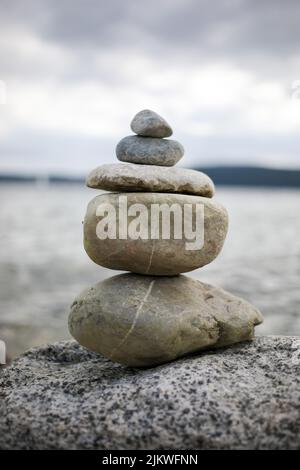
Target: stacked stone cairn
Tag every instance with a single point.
(154, 314)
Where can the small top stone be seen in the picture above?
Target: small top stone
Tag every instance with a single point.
(150, 124)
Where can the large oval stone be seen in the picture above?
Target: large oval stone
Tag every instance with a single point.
(145, 320)
(131, 177)
(149, 150)
(129, 232)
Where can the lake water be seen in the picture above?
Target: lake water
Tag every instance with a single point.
(43, 265)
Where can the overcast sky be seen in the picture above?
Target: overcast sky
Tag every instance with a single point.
(225, 74)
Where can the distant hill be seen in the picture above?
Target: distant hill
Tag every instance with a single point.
(16, 179)
(221, 175)
(65, 179)
(252, 176)
(9, 178)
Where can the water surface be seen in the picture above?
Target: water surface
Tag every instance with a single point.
(43, 265)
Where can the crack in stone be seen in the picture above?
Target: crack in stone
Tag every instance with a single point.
(139, 309)
(151, 257)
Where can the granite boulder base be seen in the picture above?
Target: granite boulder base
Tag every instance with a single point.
(63, 396)
(144, 320)
(161, 257)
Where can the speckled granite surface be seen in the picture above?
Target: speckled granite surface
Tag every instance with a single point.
(242, 397)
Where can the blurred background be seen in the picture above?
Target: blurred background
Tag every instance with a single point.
(73, 73)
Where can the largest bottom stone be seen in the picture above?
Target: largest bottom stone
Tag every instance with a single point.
(145, 320)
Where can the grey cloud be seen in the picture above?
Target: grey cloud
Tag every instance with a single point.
(260, 36)
(228, 27)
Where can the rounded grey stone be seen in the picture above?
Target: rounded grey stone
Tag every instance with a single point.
(149, 151)
(131, 177)
(150, 124)
(144, 320)
(159, 256)
(62, 396)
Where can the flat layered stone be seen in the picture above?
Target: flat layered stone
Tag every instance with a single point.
(150, 124)
(154, 251)
(144, 320)
(131, 177)
(149, 151)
